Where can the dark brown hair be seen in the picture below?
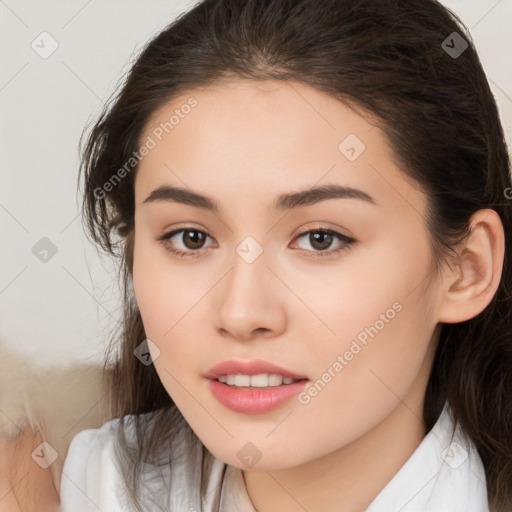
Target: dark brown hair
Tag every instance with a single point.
(385, 57)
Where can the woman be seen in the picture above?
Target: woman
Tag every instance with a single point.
(308, 201)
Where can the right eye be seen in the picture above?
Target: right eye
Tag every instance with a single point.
(191, 238)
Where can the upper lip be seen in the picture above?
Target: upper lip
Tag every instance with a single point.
(254, 367)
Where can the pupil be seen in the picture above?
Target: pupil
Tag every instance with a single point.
(318, 236)
(196, 238)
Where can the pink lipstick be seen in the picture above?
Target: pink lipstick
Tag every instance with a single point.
(253, 387)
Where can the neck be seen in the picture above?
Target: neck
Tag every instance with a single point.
(348, 479)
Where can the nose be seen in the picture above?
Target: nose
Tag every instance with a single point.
(250, 301)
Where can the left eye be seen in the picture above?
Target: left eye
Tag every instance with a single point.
(193, 240)
(322, 239)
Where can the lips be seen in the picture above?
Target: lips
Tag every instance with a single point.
(254, 400)
(254, 367)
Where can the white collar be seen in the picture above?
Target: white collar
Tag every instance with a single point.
(444, 474)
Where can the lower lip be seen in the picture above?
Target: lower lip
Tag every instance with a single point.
(254, 401)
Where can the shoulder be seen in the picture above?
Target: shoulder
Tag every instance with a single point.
(91, 476)
(93, 479)
(90, 446)
(444, 474)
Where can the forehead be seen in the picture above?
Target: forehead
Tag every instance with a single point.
(256, 137)
(257, 111)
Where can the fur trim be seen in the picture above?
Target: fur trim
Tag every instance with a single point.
(57, 401)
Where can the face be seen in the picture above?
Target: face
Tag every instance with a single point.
(331, 288)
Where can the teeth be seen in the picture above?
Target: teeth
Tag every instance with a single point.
(263, 380)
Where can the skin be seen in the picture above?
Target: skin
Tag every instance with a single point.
(245, 143)
(24, 485)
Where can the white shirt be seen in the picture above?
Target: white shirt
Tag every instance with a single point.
(444, 474)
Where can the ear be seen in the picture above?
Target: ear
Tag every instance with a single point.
(472, 283)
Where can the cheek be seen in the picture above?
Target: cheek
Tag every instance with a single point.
(163, 292)
(383, 322)
(375, 369)
(170, 305)
(364, 289)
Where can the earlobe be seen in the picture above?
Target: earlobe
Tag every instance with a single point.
(472, 284)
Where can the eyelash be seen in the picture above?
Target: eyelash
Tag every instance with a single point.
(347, 242)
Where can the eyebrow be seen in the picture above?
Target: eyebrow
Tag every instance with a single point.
(288, 201)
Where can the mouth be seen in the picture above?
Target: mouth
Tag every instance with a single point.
(253, 387)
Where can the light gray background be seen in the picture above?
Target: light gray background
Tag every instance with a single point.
(64, 309)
